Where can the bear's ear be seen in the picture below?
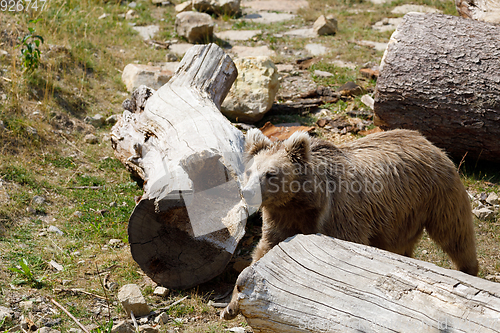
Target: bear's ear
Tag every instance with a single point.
(298, 147)
(255, 141)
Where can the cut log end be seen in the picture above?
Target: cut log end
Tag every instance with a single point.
(164, 246)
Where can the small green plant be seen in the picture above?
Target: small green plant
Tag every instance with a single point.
(104, 328)
(25, 273)
(30, 52)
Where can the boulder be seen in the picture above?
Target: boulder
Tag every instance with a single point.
(132, 299)
(195, 27)
(325, 25)
(481, 10)
(253, 92)
(135, 75)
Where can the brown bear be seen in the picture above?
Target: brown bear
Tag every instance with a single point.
(381, 190)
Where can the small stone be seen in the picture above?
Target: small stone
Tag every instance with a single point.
(26, 305)
(195, 27)
(322, 73)
(184, 7)
(123, 327)
(47, 330)
(483, 196)
(405, 9)
(56, 266)
(135, 75)
(484, 214)
(111, 120)
(55, 229)
(180, 48)
(78, 214)
(31, 130)
(161, 291)
(351, 89)
(170, 57)
(162, 319)
(91, 139)
(492, 199)
(325, 26)
(236, 330)
(147, 32)
(6, 314)
(75, 330)
(30, 210)
(316, 49)
(115, 243)
(103, 16)
(368, 101)
(132, 300)
(38, 200)
(148, 329)
(132, 4)
(96, 121)
(238, 35)
(131, 14)
(424, 252)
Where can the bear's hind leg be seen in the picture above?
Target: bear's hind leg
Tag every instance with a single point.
(458, 241)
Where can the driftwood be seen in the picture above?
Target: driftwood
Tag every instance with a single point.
(482, 10)
(315, 283)
(441, 75)
(187, 224)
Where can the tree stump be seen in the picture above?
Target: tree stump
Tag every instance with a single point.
(441, 75)
(315, 283)
(187, 224)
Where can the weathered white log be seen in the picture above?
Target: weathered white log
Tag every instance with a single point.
(315, 283)
(440, 75)
(482, 10)
(186, 226)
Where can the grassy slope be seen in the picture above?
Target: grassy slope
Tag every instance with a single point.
(80, 75)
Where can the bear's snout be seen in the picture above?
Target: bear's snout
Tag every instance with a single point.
(252, 196)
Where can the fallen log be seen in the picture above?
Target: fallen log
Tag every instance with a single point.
(441, 75)
(315, 283)
(482, 10)
(191, 216)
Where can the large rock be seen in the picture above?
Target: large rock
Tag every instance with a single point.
(131, 299)
(325, 25)
(195, 27)
(135, 75)
(228, 7)
(253, 92)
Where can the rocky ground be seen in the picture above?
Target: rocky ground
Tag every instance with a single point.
(320, 80)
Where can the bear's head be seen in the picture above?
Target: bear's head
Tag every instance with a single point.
(274, 171)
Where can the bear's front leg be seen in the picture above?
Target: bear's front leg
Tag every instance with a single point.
(233, 308)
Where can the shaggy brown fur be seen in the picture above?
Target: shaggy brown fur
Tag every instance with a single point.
(381, 190)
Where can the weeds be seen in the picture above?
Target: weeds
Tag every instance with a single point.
(30, 52)
(26, 275)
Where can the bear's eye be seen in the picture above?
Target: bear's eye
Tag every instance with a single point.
(271, 174)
